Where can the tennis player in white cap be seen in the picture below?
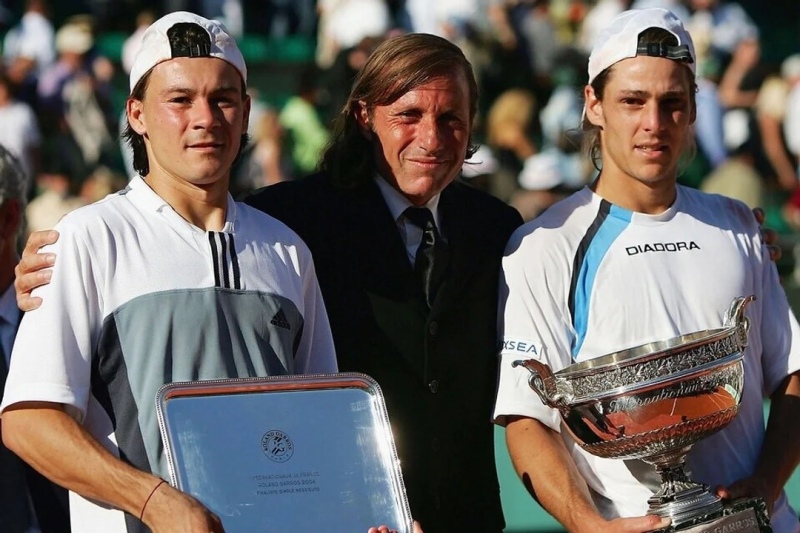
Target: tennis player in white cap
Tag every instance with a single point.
(168, 280)
(635, 258)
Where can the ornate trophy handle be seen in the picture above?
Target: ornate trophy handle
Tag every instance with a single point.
(734, 318)
(542, 381)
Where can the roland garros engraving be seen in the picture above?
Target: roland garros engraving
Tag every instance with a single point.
(277, 446)
(650, 370)
(709, 384)
(627, 404)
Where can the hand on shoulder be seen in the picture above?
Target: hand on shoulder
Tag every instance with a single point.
(33, 269)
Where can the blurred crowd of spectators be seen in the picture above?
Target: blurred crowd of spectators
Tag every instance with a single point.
(60, 115)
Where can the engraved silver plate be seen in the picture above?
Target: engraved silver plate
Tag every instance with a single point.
(290, 453)
(740, 522)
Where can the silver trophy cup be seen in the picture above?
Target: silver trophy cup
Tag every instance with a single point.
(653, 402)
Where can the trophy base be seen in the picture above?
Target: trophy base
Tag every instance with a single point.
(745, 515)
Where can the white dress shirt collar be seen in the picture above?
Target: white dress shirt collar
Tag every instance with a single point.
(398, 203)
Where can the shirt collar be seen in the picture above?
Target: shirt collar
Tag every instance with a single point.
(398, 203)
(150, 200)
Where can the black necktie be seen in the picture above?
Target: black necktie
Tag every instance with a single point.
(431, 257)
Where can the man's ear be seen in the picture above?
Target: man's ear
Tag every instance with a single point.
(362, 118)
(134, 110)
(246, 122)
(593, 107)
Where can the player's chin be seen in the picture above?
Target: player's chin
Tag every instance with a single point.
(208, 179)
(655, 173)
(211, 171)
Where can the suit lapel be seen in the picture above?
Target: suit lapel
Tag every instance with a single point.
(381, 253)
(381, 265)
(457, 226)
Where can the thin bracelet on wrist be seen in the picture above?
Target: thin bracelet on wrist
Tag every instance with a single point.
(161, 482)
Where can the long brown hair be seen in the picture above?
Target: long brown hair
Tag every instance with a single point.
(397, 66)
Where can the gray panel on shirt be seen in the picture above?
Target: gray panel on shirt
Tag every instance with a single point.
(201, 334)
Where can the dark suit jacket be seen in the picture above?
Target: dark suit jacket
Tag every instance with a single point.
(437, 367)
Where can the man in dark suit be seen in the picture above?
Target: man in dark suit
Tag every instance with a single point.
(28, 502)
(413, 302)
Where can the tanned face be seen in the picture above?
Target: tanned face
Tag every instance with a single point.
(645, 114)
(420, 140)
(192, 116)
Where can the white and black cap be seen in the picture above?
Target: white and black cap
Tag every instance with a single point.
(156, 46)
(620, 40)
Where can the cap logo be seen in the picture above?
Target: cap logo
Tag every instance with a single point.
(677, 53)
(195, 41)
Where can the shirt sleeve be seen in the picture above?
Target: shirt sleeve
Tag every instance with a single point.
(533, 324)
(52, 354)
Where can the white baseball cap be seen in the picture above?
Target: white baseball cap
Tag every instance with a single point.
(155, 46)
(620, 40)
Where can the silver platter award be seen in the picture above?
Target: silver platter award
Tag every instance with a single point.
(290, 453)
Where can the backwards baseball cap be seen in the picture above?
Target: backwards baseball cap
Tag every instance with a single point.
(620, 40)
(156, 47)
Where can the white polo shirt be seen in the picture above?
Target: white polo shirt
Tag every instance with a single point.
(140, 297)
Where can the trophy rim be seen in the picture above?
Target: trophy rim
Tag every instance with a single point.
(656, 382)
(645, 352)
